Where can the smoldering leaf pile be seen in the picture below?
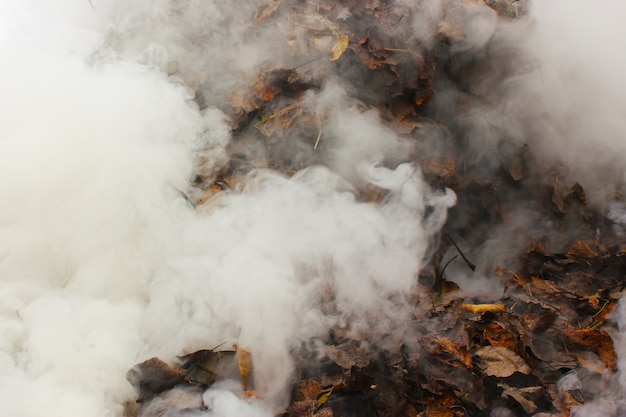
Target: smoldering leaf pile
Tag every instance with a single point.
(389, 207)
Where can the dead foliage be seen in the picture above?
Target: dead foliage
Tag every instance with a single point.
(459, 356)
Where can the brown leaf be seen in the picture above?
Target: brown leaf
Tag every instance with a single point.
(539, 323)
(154, 376)
(309, 389)
(265, 91)
(499, 337)
(206, 366)
(367, 59)
(501, 362)
(591, 362)
(597, 340)
(348, 355)
(537, 247)
(324, 412)
(209, 193)
(543, 286)
(280, 121)
(304, 408)
(582, 250)
(444, 406)
(445, 169)
(244, 100)
(604, 311)
(520, 395)
(443, 349)
(174, 402)
(268, 10)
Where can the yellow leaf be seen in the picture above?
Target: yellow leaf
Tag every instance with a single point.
(484, 308)
(324, 397)
(244, 361)
(340, 47)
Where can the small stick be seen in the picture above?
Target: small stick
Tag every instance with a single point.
(319, 135)
(467, 261)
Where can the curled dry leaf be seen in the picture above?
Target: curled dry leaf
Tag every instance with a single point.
(206, 366)
(244, 363)
(154, 376)
(484, 308)
(501, 362)
(444, 349)
(340, 47)
(348, 355)
(520, 395)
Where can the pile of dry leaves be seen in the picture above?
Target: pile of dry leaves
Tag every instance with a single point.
(529, 351)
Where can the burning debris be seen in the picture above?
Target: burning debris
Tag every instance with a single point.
(364, 195)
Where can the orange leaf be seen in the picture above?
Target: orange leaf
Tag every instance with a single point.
(597, 340)
(582, 250)
(499, 337)
(440, 346)
(244, 361)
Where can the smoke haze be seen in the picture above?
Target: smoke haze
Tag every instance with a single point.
(104, 262)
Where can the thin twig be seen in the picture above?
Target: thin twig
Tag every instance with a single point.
(319, 135)
(467, 261)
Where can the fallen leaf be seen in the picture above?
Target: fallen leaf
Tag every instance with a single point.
(497, 336)
(443, 349)
(484, 308)
(348, 355)
(174, 402)
(154, 376)
(582, 250)
(340, 47)
(325, 395)
(520, 395)
(604, 311)
(597, 340)
(244, 362)
(304, 408)
(501, 362)
(309, 389)
(207, 366)
(268, 10)
(444, 406)
(445, 169)
(209, 193)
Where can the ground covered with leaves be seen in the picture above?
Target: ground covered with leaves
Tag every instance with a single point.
(542, 346)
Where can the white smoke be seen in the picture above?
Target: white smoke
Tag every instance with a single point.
(574, 95)
(103, 261)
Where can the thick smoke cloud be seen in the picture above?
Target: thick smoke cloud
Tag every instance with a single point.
(103, 260)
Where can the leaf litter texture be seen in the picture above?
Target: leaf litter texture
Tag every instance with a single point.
(464, 356)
